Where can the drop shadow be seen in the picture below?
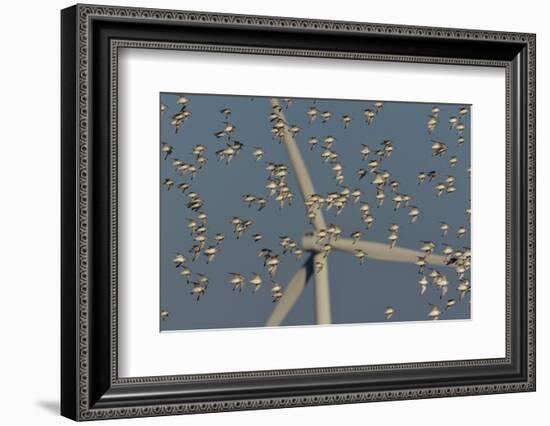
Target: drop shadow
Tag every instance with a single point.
(50, 406)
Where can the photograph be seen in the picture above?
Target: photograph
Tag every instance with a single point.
(284, 211)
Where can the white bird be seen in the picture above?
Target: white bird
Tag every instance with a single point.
(312, 114)
(294, 130)
(326, 116)
(423, 282)
(202, 216)
(435, 312)
(444, 228)
(421, 263)
(197, 290)
(394, 227)
(347, 120)
(256, 281)
(313, 142)
(319, 266)
(368, 220)
(450, 304)
(448, 250)
(388, 148)
(272, 263)
(258, 153)
(276, 291)
(428, 247)
(203, 280)
(440, 188)
(329, 141)
(369, 116)
(373, 165)
(182, 100)
(422, 177)
(186, 273)
(365, 151)
(380, 196)
(356, 194)
(261, 203)
(192, 225)
(442, 283)
(237, 280)
(463, 288)
(361, 255)
(393, 238)
(166, 149)
(432, 123)
(201, 229)
(210, 252)
(179, 260)
(414, 212)
(439, 148)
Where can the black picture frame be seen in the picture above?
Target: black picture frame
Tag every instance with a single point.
(90, 386)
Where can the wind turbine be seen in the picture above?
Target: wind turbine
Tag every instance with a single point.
(297, 284)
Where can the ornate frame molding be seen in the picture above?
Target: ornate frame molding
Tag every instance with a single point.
(82, 17)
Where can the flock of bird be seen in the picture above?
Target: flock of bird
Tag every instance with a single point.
(278, 191)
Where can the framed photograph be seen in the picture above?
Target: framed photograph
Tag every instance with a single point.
(263, 212)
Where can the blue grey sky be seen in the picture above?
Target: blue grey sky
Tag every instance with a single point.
(359, 293)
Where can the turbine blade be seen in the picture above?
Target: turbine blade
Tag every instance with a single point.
(302, 175)
(375, 250)
(291, 294)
